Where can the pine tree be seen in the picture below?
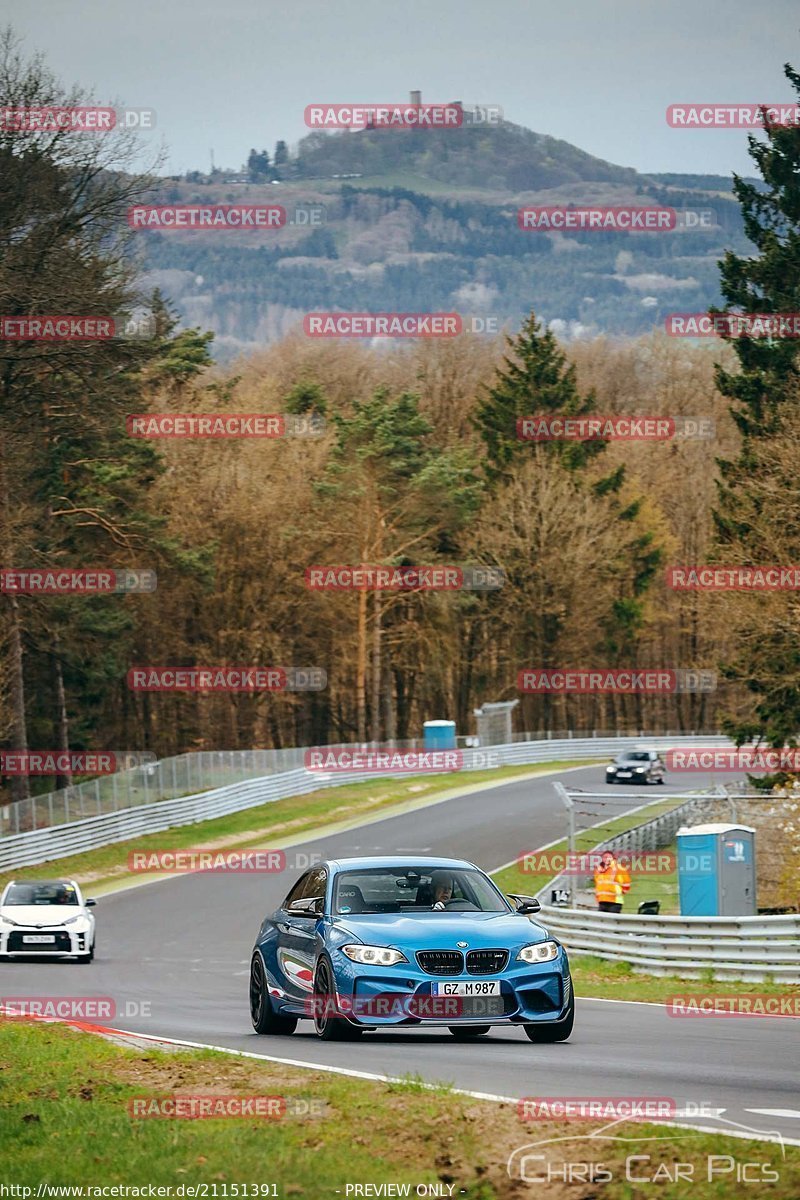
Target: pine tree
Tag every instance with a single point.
(535, 380)
(765, 403)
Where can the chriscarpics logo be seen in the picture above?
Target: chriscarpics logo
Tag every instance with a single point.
(635, 1159)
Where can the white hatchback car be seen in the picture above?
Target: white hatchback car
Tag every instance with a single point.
(44, 918)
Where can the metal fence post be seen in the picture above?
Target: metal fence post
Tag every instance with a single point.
(566, 800)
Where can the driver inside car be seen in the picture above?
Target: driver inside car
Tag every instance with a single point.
(442, 889)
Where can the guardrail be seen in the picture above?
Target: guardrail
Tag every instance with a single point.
(48, 842)
(204, 770)
(749, 948)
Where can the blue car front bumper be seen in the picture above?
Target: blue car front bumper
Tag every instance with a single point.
(404, 994)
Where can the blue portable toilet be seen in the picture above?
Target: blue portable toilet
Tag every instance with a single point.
(439, 735)
(717, 870)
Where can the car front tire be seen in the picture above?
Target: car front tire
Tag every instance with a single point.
(262, 1014)
(328, 1027)
(556, 1031)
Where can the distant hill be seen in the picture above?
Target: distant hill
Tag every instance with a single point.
(427, 221)
(503, 156)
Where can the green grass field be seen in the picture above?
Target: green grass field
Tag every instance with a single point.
(67, 1100)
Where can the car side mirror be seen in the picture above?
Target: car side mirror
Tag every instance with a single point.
(526, 905)
(90, 903)
(311, 906)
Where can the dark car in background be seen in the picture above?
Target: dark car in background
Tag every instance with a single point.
(636, 766)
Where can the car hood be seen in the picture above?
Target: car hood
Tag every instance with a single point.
(46, 915)
(441, 930)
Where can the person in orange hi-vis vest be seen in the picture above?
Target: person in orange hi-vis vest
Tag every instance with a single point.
(611, 883)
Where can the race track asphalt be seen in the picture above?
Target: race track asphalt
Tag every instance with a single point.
(182, 947)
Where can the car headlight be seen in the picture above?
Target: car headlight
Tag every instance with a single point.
(72, 920)
(640, 768)
(538, 952)
(376, 956)
(8, 921)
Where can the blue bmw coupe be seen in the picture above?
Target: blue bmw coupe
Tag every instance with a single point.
(369, 943)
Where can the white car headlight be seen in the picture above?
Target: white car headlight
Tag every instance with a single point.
(538, 952)
(376, 956)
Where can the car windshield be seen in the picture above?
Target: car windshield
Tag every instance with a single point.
(415, 888)
(634, 756)
(41, 893)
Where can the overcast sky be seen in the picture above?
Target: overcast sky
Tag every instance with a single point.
(231, 74)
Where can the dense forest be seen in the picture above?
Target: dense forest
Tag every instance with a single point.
(415, 459)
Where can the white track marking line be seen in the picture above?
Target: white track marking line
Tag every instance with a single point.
(774, 1112)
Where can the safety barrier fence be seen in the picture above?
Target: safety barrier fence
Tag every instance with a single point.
(748, 948)
(744, 948)
(203, 771)
(279, 776)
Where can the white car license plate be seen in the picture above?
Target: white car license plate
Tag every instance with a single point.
(623, 774)
(39, 939)
(468, 988)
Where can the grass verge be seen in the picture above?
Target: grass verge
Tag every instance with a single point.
(66, 1120)
(283, 821)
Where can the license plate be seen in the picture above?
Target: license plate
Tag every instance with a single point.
(468, 987)
(623, 774)
(39, 939)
